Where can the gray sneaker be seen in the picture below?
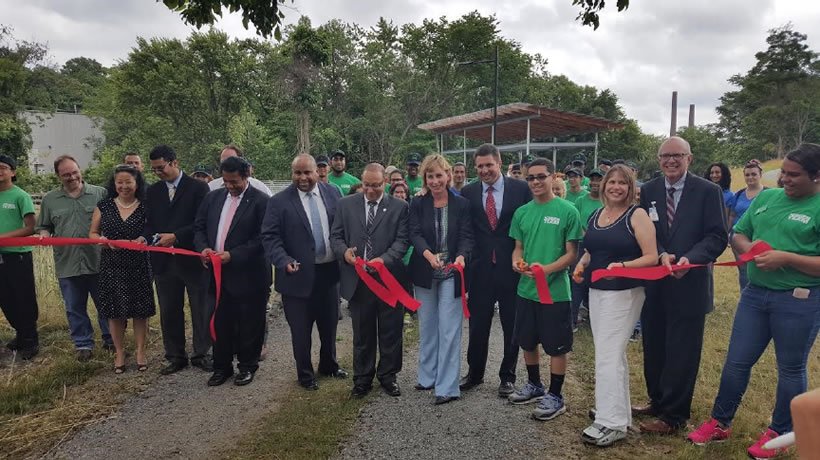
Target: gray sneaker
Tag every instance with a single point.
(549, 407)
(83, 355)
(527, 394)
(601, 436)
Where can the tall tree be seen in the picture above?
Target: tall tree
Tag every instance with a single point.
(265, 15)
(590, 9)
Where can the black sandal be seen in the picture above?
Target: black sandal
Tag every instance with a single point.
(119, 369)
(142, 367)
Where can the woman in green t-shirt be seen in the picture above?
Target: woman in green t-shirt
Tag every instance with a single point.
(781, 302)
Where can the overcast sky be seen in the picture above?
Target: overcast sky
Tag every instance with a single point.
(642, 54)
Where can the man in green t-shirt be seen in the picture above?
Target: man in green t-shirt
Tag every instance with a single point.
(19, 299)
(545, 231)
(339, 177)
(66, 212)
(322, 162)
(413, 179)
(575, 189)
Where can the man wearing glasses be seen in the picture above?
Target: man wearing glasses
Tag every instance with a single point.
(690, 228)
(171, 206)
(66, 212)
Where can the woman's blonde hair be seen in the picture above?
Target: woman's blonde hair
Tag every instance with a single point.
(628, 176)
(562, 187)
(434, 160)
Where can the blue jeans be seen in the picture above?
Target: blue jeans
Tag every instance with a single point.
(75, 290)
(742, 278)
(764, 315)
(440, 319)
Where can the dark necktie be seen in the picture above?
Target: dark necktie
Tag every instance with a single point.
(670, 206)
(489, 208)
(371, 215)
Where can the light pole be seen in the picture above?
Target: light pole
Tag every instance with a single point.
(493, 61)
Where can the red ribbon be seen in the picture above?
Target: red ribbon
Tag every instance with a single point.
(391, 292)
(541, 284)
(659, 271)
(216, 262)
(460, 271)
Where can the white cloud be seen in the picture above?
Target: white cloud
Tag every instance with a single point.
(642, 54)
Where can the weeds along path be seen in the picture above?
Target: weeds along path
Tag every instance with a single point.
(180, 416)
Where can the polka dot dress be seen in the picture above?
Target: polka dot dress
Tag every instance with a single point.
(125, 276)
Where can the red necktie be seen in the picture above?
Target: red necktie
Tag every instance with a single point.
(489, 208)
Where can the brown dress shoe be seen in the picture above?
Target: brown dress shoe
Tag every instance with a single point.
(647, 409)
(657, 426)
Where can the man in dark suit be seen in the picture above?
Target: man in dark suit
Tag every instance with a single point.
(493, 201)
(171, 207)
(229, 223)
(295, 234)
(691, 228)
(373, 226)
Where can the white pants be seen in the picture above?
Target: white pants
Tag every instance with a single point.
(613, 315)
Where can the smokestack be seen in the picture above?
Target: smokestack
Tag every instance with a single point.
(673, 128)
(691, 115)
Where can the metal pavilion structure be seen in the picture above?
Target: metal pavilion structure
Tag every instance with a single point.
(515, 127)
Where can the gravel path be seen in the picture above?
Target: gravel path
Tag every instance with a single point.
(480, 425)
(178, 416)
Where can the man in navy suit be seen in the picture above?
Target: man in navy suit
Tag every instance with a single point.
(295, 235)
(171, 208)
(690, 227)
(228, 223)
(493, 201)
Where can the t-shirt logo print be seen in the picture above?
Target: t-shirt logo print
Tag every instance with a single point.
(552, 220)
(9, 206)
(799, 218)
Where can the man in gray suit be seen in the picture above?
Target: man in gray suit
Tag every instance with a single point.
(373, 226)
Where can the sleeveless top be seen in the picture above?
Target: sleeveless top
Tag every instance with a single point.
(613, 243)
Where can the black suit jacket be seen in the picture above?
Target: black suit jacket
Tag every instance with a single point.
(177, 217)
(288, 237)
(698, 233)
(389, 235)
(516, 194)
(247, 274)
(423, 236)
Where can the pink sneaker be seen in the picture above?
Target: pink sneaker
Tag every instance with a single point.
(757, 451)
(709, 432)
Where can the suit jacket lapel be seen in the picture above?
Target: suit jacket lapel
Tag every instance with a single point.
(243, 206)
(296, 201)
(381, 210)
(506, 203)
(180, 189)
(329, 204)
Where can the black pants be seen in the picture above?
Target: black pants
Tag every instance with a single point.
(322, 308)
(672, 344)
(19, 298)
(481, 304)
(240, 329)
(375, 322)
(171, 287)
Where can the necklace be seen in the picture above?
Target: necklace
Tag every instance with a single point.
(119, 203)
(606, 214)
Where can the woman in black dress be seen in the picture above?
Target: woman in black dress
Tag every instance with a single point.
(125, 276)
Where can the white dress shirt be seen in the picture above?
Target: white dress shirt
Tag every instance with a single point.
(224, 214)
(317, 197)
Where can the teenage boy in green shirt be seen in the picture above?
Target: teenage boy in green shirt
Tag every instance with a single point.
(338, 177)
(19, 299)
(545, 231)
(574, 189)
(413, 179)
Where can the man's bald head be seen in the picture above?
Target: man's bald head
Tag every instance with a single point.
(302, 161)
(303, 172)
(677, 143)
(374, 167)
(373, 181)
(674, 157)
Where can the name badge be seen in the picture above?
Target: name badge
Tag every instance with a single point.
(653, 212)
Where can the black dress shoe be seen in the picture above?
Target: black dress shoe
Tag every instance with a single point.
(360, 391)
(28, 353)
(421, 387)
(444, 399)
(392, 389)
(311, 385)
(337, 374)
(205, 363)
(243, 378)
(468, 383)
(506, 389)
(173, 367)
(219, 378)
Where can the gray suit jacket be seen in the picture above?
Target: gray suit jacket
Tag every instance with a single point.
(389, 236)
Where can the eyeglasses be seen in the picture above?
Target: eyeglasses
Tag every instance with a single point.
(159, 168)
(5, 167)
(672, 156)
(539, 178)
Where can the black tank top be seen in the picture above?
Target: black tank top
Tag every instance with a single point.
(613, 243)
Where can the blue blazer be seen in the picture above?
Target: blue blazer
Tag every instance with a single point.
(287, 237)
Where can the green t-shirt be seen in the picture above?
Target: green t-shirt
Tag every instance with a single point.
(586, 205)
(344, 182)
(572, 197)
(15, 204)
(414, 184)
(787, 225)
(544, 229)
